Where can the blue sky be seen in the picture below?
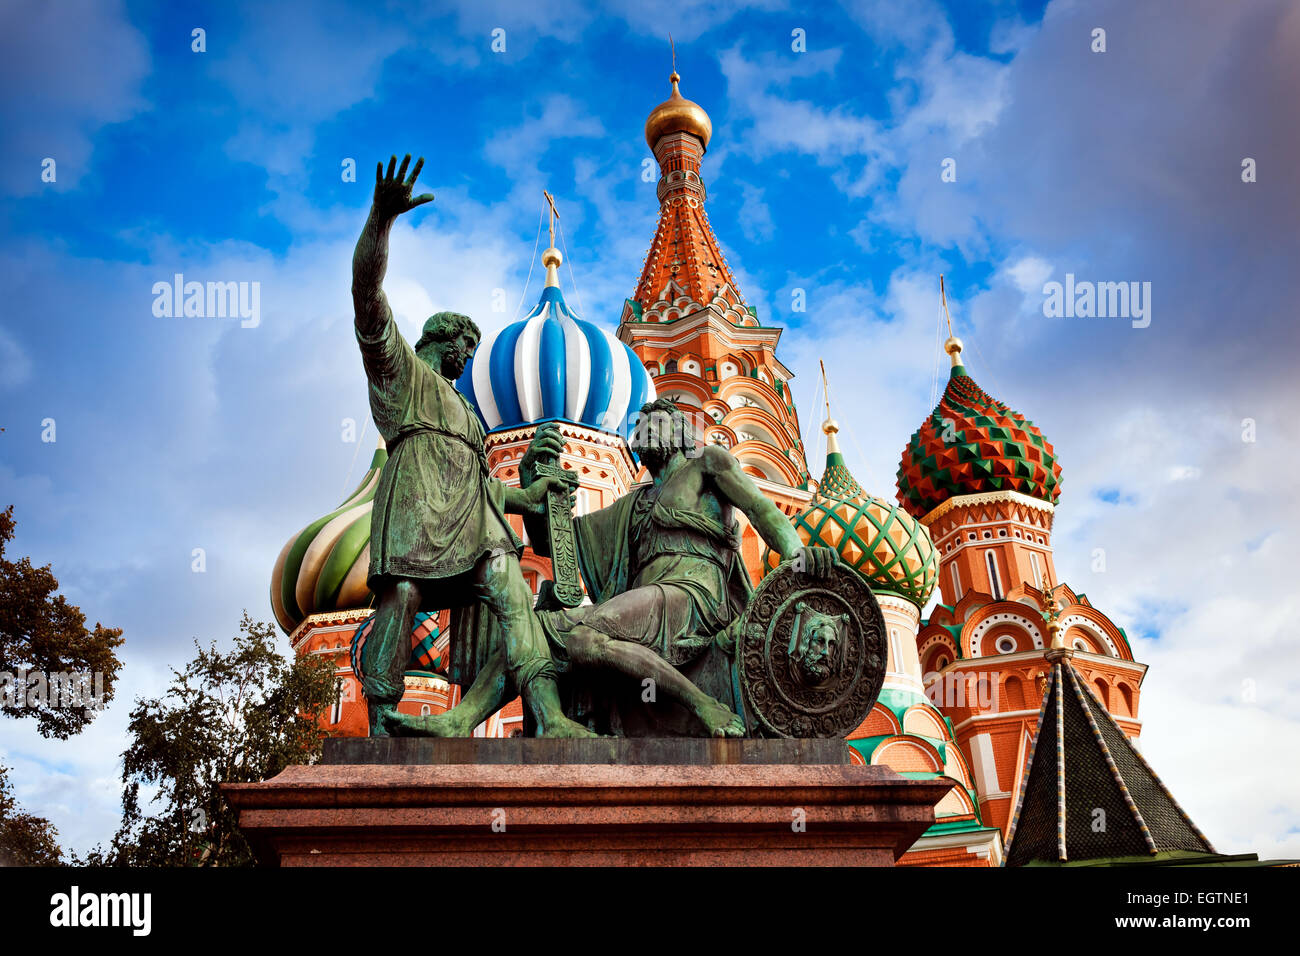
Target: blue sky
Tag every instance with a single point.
(823, 175)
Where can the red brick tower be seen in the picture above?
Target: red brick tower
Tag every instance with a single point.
(689, 324)
(985, 482)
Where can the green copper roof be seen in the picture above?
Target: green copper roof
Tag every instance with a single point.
(890, 549)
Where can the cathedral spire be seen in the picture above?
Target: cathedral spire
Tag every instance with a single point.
(691, 327)
(685, 268)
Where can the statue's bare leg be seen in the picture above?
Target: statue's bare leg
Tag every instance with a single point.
(489, 693)
(502, 587)
(589, 647)
(387, 650)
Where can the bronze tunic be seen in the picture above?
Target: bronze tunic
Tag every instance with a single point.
(436, 511)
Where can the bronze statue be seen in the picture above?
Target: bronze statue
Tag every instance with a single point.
(439, 536)
(663, 568)
(674, 641)
(663, 571)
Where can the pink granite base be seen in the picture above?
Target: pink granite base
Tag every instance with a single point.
(584, 815)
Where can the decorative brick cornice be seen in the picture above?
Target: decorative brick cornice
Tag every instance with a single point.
(986, 498)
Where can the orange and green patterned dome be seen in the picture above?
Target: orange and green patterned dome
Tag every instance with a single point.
(971, 444)
(882, 542)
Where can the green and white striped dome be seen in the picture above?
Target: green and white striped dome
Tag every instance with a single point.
(323, 567)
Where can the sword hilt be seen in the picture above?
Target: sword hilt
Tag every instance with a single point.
(567, 588)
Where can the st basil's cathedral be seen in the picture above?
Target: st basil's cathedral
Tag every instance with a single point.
(1015, 688)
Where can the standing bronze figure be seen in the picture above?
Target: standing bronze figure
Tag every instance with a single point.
(439, 536)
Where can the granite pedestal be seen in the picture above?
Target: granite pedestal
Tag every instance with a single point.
(612, 801)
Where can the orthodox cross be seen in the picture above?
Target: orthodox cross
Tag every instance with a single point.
(943, 299)
(826, 389)
(550, 201)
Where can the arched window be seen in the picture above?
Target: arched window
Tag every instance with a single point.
(1102, 693)
(670, 367)
(1035, 570)
(1014, 693)
(894, 652)
(995, 582)
(956, 583)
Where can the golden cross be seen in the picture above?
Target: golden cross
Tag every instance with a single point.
(826, 391)
(943, 297)
(673, 48)
(550, 201)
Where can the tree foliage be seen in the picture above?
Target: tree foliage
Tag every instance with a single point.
(25, 839)
(233, 717)
(41, 632)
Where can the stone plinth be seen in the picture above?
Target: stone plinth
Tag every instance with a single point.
(526, 802)
(625, 751)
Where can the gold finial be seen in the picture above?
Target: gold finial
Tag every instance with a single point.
(953, 345)
(1053, 614)
(830, 426)
(677, 114)
(551, 257)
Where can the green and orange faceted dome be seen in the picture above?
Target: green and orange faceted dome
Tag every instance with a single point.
(890, 549)
(324, 566)
(973, 444)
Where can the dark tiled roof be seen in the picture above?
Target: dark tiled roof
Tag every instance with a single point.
(1088, 793)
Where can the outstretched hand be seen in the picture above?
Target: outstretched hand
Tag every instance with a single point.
(393, 192)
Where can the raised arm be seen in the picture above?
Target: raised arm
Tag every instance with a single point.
(370, 260)
(772, 526)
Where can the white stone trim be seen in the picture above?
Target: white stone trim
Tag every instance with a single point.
(985, 844)
(1003, 617)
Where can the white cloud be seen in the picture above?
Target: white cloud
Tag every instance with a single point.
(754, 216)
(15, 365)
(52, 110)
(1029, 274)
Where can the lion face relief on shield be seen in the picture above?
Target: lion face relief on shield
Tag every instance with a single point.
(816, 644)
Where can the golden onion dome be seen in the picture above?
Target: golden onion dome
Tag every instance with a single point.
(677, 115)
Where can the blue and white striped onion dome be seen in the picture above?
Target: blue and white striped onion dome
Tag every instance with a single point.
(554, 365)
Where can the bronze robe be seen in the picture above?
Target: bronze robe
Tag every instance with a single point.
(610, 553)
(679, 569)
(436, 511)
